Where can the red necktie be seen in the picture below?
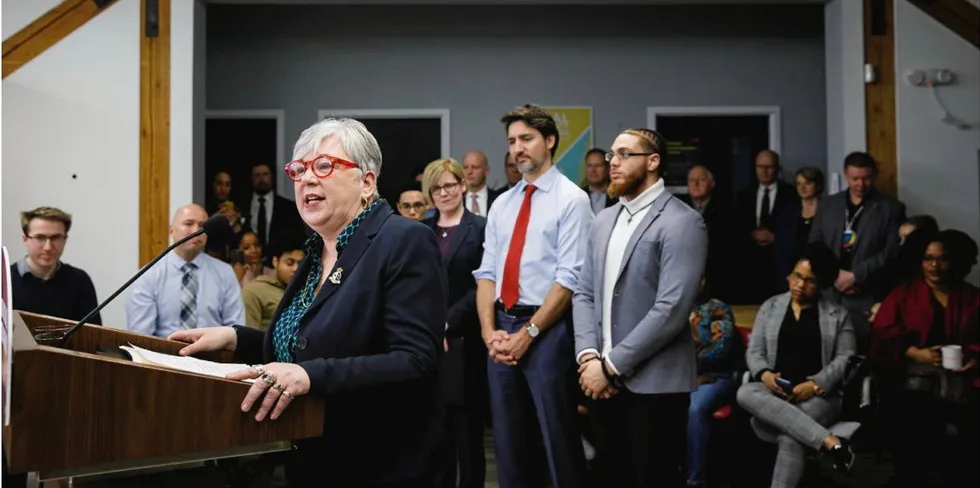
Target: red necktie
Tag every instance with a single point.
(512, 267)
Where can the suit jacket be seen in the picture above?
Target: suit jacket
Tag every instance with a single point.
(371, 346)
(653, 296)
(786, 197)
(286, 227)
(610, 201)
(877, 241)
(836, 331)
(491, 197)
(463, 373)
(717, 218)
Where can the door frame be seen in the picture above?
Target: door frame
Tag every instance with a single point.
(283, 186)
(774, 112)
(398, 113)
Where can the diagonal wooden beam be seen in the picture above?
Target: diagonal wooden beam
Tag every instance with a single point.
(29, 42)
(959, 16)
(154, 127)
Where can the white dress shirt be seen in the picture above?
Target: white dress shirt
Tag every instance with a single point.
(758, 200)
(621, 234)
(270, 199)
(482, 197)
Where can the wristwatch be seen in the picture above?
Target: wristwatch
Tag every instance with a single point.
(532, 330)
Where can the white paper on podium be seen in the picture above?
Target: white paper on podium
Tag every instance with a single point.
(183, 363)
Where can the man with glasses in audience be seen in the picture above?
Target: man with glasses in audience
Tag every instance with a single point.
(411, 202)
(41, 282)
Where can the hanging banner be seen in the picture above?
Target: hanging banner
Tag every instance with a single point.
(575, 138)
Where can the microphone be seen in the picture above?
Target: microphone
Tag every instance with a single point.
(215, 225)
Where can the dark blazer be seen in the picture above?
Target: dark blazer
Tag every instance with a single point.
(786, 198)
(717, 218)
(786, 243)
(371, 346)
(610, 201)
(877, 243)
(491, 197)
(463, 373)
(287, 227)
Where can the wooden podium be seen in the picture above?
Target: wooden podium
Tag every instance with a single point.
(77, 413)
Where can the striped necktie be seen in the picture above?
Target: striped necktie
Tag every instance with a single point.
(188, 297)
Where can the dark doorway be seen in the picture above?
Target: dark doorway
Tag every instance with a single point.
(725, 144)
(407, 144)
(222, 136)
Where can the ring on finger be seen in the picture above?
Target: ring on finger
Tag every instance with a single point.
(269, 378)
(259, 370)
(279, 386)
(287, 394)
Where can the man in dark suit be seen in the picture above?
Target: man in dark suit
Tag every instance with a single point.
(511, 172)
(478, 197)
(716, 211)
(758, 209)
(272, 217)
(861, 226)
(597, 179)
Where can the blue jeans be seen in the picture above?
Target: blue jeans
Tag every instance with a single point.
(704, 401)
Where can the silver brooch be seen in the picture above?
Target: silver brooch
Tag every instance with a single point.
(336, 276)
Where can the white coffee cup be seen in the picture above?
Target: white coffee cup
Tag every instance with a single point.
(952, 357)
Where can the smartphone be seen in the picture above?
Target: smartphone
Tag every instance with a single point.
(786, 385)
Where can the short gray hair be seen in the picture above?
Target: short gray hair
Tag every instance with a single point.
(355, 138)
(711, 176)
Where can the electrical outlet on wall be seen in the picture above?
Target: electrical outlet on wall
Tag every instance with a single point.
(935, 76)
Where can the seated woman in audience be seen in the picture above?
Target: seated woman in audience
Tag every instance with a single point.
(793, 228)
(798, 352)
(360, 326)
(463, 371)
(716, 341)
(254, 260)
(908, 265)
(914, 322)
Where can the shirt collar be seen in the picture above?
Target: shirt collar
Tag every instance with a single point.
(24, 269)
(646, 198)
(178, 262)
(543, 183)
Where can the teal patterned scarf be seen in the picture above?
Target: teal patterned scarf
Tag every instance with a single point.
(287, 327)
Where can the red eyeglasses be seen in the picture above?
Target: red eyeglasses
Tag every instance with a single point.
(323, 167)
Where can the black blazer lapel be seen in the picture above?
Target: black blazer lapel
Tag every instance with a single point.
(359, 243)
(459, 237)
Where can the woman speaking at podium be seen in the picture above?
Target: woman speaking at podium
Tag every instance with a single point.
(360, 325)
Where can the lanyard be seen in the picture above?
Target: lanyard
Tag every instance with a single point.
(849, 219)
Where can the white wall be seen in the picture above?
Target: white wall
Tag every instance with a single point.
(17, 14)
(844, 48)
(938, 163)
(71, 137)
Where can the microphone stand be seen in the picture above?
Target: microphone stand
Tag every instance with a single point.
(66, 335)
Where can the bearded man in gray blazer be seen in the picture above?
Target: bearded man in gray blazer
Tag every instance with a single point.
(643, 264)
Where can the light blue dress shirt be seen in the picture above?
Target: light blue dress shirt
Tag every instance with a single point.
(561, 216)
(153, 306)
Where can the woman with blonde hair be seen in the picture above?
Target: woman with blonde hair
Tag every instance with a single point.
(463, 372)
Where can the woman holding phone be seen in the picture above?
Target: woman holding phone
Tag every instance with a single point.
(795, 395)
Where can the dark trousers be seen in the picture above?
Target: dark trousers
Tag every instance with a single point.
(645, 439)
(464, 429)
(542, 384)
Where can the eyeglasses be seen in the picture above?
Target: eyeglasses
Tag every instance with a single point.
(806, 281)
(417, 206)
(448, 187)
(55, 240)
(623, 154)
(323, 167)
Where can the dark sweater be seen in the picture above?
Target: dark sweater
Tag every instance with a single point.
(69, 294)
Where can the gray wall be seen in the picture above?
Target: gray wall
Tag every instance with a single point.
(479, 61)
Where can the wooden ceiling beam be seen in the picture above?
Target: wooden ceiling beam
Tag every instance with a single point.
(29, 42)
(959, 16)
